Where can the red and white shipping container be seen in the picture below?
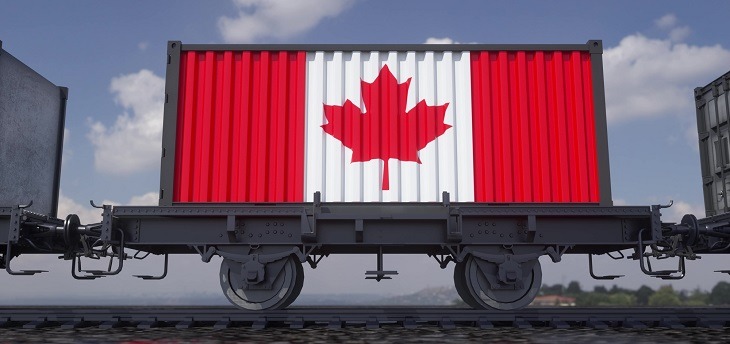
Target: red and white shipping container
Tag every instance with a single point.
(385, 123)
(279, 155)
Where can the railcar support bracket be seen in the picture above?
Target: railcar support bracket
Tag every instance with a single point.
(593, 274)
(314, 259)
(645, 263)
(164, 272)
(16, 215)
(442, 259)
(380, 274)
(206, 252)
(8, 257)
(93, 274)
(309, 223)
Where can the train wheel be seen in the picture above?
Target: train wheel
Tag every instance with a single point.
(460, 284)
(285, 286)
(503, 299)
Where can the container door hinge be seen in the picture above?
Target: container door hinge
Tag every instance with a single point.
(359, 230)
(453, 227)
(531, 228)
(231, 228)
(309, 223)
(699, 99)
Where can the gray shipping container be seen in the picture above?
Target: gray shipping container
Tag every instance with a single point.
(32, 114)
(713, 108)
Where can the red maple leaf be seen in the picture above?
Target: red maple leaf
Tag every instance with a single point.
(385, 131)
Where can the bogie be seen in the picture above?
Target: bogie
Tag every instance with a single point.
(279, 286)
(484, 289)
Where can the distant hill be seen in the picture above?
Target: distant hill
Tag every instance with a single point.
(336, 299)
(128, 300)
(433, 296)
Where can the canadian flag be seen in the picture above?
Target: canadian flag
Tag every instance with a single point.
(371, 126)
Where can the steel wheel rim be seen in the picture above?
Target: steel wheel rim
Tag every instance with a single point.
(278, 296)
(460, 283)
(500, 299)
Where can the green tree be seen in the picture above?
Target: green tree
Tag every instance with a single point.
(643, 294)
(622, 299)
(573, 288)
(600, 289)
(720, 294)
(616, 290)
(683, 296)
(592, 300)
(664, 297)
(556, 289)
(698, 297)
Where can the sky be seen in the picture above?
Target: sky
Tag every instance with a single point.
(111, 55)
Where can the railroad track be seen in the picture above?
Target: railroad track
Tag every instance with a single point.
(338, 317)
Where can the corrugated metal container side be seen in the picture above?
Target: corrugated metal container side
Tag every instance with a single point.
(713, 109)
(417, 142)
(534, 127)
(32, 116)
(496, 124)
(237, 110)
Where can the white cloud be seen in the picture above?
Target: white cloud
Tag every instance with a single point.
(666, 22)
(669, 23)
(150, 198)
(648, 77)
(86, 213)
(133, 143)
(680, 208)
(619, 202)
(89, 214)
(142, 46)
(66, 153)
(276, 18)
(679, 34)
(444, 40)
(692, 137)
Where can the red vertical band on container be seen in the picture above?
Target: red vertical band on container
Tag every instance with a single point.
(243, 192)
(515, 114)
(543, 151)
(528, 179)
(240, 135)
(480, 144)
(236, 156)
(224, 155)
(215, 130)
(533, 127)
(590, 123)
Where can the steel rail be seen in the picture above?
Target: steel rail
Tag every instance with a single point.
(371, 317)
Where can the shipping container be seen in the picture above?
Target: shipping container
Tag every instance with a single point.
(713, 108)
(398, 123)
(32, 114)
(485, 156)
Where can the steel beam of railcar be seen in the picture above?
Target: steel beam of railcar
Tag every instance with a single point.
(371, 225)
(4, 223)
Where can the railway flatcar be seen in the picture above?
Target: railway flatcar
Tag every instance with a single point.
(487, 157)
